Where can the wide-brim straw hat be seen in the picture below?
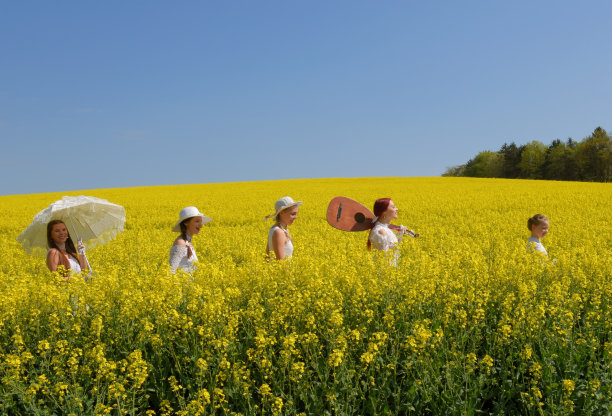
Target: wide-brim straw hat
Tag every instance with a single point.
(187, 213)
(282, 204)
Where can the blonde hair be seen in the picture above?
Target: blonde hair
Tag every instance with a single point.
(537, 219)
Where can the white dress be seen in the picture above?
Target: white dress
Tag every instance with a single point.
(179, 257)
(535, 244)
(288, 242)
(382, 242)
(75, 266)
(385, 242)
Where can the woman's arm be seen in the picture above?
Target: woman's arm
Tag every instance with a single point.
(278, 243)
(82, 261)
(80, 254)
(53, 259)
(400, 233)
(177, 254)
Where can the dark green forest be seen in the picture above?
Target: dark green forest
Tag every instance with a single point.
(587, 160)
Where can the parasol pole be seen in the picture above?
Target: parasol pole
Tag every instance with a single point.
(77, 236)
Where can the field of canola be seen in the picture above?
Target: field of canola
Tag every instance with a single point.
(469, 323)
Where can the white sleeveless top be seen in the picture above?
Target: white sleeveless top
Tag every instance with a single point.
(75, 266)
(178, 257)
(288, 242)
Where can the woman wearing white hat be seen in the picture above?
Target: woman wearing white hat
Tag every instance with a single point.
(279, 239)
(182, 253)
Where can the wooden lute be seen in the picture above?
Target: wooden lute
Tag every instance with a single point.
(346, 214)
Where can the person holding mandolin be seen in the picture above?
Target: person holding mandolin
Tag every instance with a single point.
(349, 215)
(381, 235)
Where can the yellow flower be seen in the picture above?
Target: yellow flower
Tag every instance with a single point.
(486, 363)
(464, 298)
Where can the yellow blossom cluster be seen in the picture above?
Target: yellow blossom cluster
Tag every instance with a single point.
(468, 322)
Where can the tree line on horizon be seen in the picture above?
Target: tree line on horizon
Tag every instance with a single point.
(587, 160)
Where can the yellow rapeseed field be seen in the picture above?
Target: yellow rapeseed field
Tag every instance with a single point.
(468, 322)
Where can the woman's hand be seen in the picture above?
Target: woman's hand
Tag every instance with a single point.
(81, 247)
(81, 250)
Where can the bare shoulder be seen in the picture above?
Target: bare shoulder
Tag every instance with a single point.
(180, 241)
(278, 234)
(54, 259)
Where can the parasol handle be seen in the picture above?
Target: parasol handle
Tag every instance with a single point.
(88, 265)
(77, 237)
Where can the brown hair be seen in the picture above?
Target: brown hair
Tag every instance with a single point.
(537, 219)
(184, 233)
(380, 206)
(69, 243)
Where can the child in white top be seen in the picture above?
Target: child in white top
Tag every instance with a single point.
(538, 225)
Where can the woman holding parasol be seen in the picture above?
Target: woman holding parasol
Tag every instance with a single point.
(90, 219)
(61, 250)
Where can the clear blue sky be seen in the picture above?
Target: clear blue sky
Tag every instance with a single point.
(130, 93)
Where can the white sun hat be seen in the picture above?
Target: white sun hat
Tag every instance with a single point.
(187, 213)
(282, 204)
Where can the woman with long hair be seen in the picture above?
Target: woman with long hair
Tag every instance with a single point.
(61, 250)
(182, 253)
(279, 239)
